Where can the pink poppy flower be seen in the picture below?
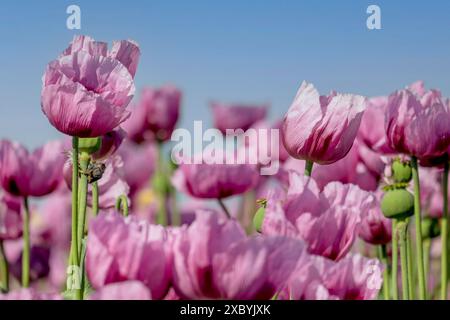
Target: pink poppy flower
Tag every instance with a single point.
(36, 174)
(127, 290)
(10, 217)
(29, 294)
(361, 166)
(87, 89)
(214, 259)
(110, 143)
(321, 128)
(375, 227)
(236, 116)
(139, 163)
(335, 214)
(207, 179)
(418, 125)
(162, 107)
(371, 131)
(352, 278)
(121, 249)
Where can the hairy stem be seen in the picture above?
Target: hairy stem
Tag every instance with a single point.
(73, 267)
(418, 222)
(95, 198)
(402, 230)
(394, 281)
(384, 259)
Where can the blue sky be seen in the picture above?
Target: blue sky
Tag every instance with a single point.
(243, 51)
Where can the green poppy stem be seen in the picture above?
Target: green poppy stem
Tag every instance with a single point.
(4, 270)
(444, 234)
(122, 205)
(418, 223)
(82, 205)
(409, 254)
(394, 282)
(402, 233)
(95, 198)
(308, 167)
(159, 186)
(72, 272)
(26, 245)
(384, 259)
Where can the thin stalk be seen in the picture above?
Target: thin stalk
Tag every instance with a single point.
(83, 192)
(394, 282)
(402, 228)
(224, 208)
(4, 270)
(427, 254)
(409, 254)
(95, 198)
(384, 259)
(26, 245)
(122, 205)
(308, 167)
(160, 187)
(73, 267)
(418, 222)
(444, 234)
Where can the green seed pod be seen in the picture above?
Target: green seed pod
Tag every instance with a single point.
(401, 171)
(90, 145)
(397, 204)
(259, 218)
(430, 228)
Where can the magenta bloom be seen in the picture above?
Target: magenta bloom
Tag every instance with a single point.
(317, 278)
(10, 218)
(128, 249)
(214, 259)
(163, 108)
(139, 162)
(127, 290)
(361, 166)
(110, 143)
(155, 115)
(30, 294)
(352, 278)
(214, 181)
(36, 174)
(321, 128)
(236, 116)
(87, 89)
(418, 123)
(371, 131)
(375, 227)
(328, 221)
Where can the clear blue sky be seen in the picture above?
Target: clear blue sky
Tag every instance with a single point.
(234, 50)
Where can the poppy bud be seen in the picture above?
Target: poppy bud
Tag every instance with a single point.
(401, 171)
(430, 228)
(397, 204)
(259, 218)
